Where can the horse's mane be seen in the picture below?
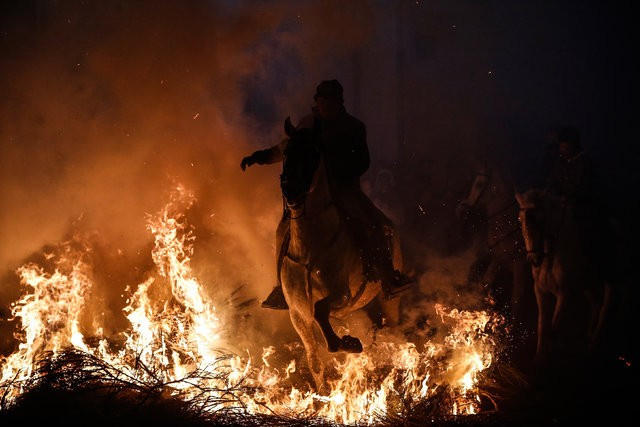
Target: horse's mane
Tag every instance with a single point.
(302, 156)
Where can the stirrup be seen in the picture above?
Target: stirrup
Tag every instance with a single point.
(401, 282)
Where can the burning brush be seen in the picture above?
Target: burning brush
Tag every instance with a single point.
(175, 349)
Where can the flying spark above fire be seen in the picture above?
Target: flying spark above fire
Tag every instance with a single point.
(177, 334)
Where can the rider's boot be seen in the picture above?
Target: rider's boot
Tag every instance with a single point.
(276, 300)
(393, 281)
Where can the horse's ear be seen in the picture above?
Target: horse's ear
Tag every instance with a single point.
(519, 197)
(289, 129)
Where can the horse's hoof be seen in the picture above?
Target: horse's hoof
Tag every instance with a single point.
(334, 347)
(350, 344)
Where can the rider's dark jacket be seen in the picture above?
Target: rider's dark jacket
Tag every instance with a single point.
(344, 147)
(346, 157)
(575, 181)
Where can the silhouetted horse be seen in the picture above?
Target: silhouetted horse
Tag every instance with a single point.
(502, 266)
(322, 272)
(572, 296)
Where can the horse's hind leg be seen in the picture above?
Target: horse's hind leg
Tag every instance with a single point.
(322, 310)
(600, 306)
(390, 310)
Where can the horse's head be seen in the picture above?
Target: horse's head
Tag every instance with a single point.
(490, 193)
(301, 159)
(533, 223)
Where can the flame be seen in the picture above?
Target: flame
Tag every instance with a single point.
(177, 334)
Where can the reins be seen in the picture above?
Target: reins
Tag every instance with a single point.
(286, 210)
(553, 238)
(507, 234)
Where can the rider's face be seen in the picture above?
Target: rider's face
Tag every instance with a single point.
(328, 107)
(566, 151)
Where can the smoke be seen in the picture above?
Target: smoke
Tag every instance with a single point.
(105, 107)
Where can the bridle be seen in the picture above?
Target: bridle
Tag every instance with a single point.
(286, 210)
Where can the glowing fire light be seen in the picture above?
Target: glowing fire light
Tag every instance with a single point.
(175, 331)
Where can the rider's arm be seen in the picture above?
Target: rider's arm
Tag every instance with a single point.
(266, 156)
(271, 155)
(275, 153)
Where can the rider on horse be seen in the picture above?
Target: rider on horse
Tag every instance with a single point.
(346, 155)
(573, 177)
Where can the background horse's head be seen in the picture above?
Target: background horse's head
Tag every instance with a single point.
(533, 223)
(300, 162)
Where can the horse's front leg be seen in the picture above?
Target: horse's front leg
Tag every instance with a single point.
(521, 291)
(546, 307)
(303, 324)
(322, 310)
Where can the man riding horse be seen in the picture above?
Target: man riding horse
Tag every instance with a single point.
(346, 155)
(573, 177)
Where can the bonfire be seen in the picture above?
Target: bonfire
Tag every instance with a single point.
(176, 350)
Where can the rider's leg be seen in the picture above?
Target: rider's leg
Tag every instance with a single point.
(368, 226)
(276, 299)
(393, 281)
(377, 260)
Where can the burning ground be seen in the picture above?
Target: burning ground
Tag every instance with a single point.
(186, 344)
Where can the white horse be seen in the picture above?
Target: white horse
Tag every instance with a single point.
(505, 271)
(322, 273)
(571, 295)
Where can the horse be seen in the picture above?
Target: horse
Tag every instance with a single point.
(571, 294)
(322, 273)
(501, 266)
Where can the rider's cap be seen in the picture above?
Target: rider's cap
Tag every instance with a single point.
(329, 89)
(569, 134)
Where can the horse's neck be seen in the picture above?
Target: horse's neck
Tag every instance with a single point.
(315, 222)
(563, 235)
(498, 196)
(319, 194)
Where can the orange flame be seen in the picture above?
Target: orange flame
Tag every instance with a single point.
(175, 330)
